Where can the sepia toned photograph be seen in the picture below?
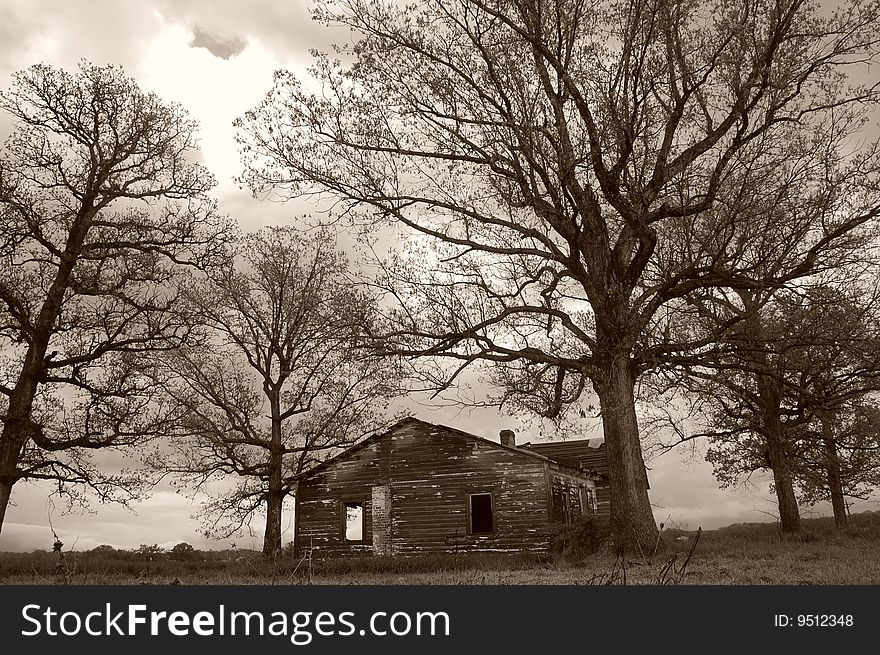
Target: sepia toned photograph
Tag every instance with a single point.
(444, 292)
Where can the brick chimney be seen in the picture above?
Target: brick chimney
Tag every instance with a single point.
(508, 438)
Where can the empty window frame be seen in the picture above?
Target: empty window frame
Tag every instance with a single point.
(353, 520)
(561, 507)
(481, 513)
(588, 500)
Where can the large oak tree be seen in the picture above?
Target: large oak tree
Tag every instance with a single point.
(574, 169)
(102, 208)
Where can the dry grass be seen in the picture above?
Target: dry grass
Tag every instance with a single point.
(750, 554)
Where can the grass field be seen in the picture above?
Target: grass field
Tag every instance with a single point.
(751, 554)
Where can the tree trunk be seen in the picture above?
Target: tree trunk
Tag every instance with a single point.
(832, 471)
(789, 515)
(16, 423)
(6, 483)
(633, 528)
(13, 438)
(275, 491)
(770, 398)
(272, 537)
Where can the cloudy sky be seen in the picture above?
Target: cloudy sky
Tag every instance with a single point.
(216, 58)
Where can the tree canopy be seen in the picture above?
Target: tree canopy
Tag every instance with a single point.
(280, 380)
(104, 208)
(575, 169)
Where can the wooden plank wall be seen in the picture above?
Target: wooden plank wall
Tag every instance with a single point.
(430, 471)
(578, 453)
(566, 494)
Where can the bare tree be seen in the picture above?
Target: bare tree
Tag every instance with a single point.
(752, 419)
(577, 168)
(101, 204)
(840, 377)
(842, 458)
(281, 381)
(796, 361)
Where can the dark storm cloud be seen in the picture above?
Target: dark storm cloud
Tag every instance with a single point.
(224, 48)
(285, 28)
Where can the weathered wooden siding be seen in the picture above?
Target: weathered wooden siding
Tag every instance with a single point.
(319, 520)
(565, 492)
(579, 453)
(430, 471)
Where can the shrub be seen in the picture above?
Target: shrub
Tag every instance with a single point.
(182, 551)
(574, 541)
(149, 552)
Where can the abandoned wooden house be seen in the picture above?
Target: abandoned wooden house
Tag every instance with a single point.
(423, 488)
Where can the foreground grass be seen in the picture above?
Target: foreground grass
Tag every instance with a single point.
(741, 554)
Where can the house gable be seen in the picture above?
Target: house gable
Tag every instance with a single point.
(435, 432)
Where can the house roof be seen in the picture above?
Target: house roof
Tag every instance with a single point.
(575, 453)
(527, 451)
(586, 454)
